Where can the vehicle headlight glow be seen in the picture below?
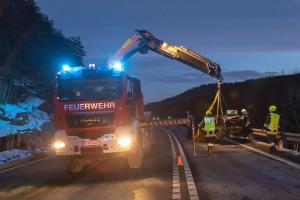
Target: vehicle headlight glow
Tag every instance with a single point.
(124, 141)
(164, 45)
(59, 145)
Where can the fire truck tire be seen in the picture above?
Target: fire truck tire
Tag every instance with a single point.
(147, 140)
(74, 164)
(134, 157)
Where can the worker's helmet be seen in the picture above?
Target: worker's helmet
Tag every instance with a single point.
(244, 111)
(272, 108)
(208, 112)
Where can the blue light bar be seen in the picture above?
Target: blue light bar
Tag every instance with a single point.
(117, 66)
(66, 68)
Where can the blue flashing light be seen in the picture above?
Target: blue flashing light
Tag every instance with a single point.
(66, 68)
(117, 66)
(76, 69)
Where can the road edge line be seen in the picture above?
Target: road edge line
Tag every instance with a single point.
(273, 157)
(24, 165)
(193, 193)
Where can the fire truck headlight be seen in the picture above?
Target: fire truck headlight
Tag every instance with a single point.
(59, 145)
(124, 141)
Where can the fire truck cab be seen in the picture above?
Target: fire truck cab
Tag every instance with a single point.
(97, 113)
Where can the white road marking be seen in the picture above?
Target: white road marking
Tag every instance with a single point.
(188, 174)
(23, 165)
(176, 180)
(277, 158)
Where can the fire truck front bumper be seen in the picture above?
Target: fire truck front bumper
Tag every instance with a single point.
(121, 141)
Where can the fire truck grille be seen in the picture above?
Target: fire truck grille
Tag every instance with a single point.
(90, 120)
(86, 135)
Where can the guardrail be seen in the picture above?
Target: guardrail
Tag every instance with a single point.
(164, 122)
(285, 140)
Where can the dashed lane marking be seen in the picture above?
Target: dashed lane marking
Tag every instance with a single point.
(176, 180)
(188, 174)
(297, 166)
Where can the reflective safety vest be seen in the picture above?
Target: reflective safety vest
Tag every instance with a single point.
(274, 122)
(209, 124)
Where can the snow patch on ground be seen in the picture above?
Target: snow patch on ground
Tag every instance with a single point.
(36, 117)
(33, 101)
(13, 155)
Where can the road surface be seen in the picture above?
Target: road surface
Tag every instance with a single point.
(232, 172)
(228, 173)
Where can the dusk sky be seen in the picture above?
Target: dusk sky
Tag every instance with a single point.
(258, 35)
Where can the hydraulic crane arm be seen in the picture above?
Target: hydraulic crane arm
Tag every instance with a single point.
(143, 40)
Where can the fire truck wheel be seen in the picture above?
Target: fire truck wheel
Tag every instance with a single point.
(134, 157)
(147, 140)
(74, 164)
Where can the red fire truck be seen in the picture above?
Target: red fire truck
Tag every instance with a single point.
(98, 110)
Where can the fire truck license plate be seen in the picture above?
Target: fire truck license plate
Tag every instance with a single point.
(86, 143)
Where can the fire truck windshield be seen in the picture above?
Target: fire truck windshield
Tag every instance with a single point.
(89, 89)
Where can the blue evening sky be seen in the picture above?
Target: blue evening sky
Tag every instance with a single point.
(258, 35)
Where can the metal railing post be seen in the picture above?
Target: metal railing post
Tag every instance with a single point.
(281, 143)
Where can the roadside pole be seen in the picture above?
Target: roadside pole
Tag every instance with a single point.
(194, 139)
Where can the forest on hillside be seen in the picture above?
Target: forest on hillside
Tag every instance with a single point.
(254, 95)
(32, 51)
(30, 45)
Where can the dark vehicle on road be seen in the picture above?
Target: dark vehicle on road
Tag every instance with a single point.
(234, 125)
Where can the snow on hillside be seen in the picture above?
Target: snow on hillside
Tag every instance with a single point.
(22, 116)
(13, 155)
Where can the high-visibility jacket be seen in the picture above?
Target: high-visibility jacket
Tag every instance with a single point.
(209, 124)
(274, 122)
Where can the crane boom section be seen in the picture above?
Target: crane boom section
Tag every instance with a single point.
(141, 41)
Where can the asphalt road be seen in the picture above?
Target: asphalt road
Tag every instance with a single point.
(230, 172)
(110, 179)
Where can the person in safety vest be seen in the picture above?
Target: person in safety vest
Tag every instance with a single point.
(209, 122)
(209, 127)
(272, 120)
(246, 121)
(272, 124)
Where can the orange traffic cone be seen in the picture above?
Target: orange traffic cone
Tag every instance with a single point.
(210, 147)
(179, 161)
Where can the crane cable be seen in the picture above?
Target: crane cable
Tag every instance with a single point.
(216, 99)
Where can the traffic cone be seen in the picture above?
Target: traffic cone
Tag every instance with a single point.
(179, 161)
(210, 147)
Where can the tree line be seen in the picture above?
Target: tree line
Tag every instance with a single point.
(254, 95)
(30, 46)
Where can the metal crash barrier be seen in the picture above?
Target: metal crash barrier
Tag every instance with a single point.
(165, 122)
(285, 140)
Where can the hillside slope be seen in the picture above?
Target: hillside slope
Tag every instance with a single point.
(254, 95)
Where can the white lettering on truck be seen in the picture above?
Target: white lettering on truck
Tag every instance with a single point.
(90, 106)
